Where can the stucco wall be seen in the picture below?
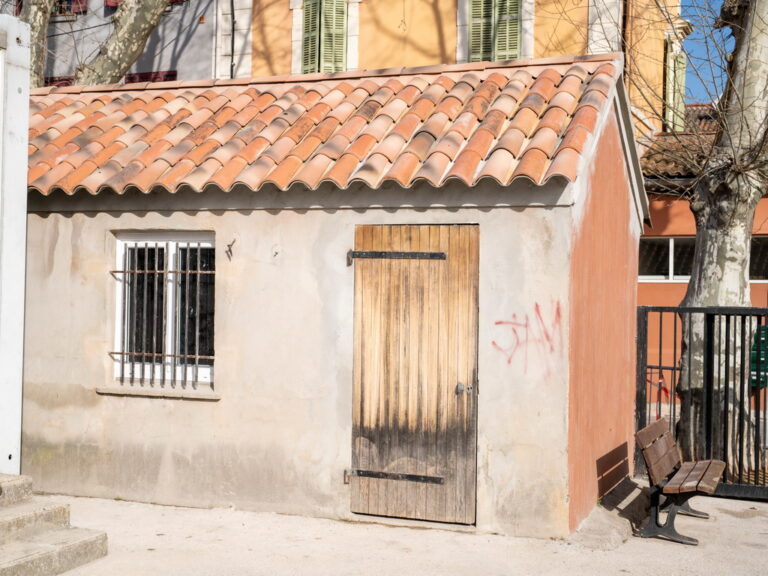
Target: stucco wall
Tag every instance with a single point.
(183, 41)
(602, 345)
(279, 438)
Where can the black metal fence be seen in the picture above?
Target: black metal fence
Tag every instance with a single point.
(724, 359)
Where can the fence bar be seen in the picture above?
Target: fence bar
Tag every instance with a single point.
(641, 378)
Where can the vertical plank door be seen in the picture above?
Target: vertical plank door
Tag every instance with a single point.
(414, 436)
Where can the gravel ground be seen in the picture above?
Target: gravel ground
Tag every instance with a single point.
(146, 539)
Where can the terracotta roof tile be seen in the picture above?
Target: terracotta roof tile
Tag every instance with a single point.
(467, 122)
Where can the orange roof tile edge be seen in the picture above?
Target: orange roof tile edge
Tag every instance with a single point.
(523, 119)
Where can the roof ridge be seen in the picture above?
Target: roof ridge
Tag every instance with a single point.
(320, 77)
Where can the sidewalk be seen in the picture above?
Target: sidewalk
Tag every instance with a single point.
(162, 540)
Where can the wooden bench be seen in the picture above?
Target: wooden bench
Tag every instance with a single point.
(676, 480)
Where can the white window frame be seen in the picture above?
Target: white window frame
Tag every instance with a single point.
(131, 371)
(527, 10)
(670, 278)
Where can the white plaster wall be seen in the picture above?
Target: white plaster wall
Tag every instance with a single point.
(279, 439)
(14, 118)
(243, 42)
(605, 21)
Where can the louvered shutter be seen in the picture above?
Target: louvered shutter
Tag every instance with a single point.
(310, 36)
(506, 40)
(680, 65)
(674, 88)
(333, 39)
(480, 30)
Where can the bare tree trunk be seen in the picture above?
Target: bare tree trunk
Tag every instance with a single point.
(733, 181)
(37, 13)
(134, 22)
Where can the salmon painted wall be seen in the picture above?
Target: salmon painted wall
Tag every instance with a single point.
(602, 332)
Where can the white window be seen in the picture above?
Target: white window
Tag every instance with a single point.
(671, 259)
(666, 259)
(165, 294)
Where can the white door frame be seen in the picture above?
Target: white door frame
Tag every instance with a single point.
(14, 122)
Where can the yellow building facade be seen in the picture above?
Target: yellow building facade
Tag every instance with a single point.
(378, 34)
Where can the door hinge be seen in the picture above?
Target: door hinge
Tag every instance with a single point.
(352, 254)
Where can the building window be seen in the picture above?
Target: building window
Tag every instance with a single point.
(165, 298)
(674, 86)
(494, 30)
(671, 259)
(64, 10)
(324, 36)
(165, 76)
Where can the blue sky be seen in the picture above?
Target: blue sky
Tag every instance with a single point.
(705, 47)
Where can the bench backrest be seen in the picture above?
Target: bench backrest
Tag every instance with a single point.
(659, 450)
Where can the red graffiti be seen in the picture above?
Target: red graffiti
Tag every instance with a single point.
(531, 336)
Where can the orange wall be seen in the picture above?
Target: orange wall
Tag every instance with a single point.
(560, 27)
(602, 333)
(271, 38)
(407, 33)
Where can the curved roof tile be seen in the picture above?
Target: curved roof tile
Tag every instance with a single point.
(500, 121)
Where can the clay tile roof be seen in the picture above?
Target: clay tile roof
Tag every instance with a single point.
(503, 120)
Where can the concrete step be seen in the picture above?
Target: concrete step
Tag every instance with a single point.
(30, 515)
(14, 489)
(51, 552)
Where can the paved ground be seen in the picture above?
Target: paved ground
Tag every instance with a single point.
(168, 541)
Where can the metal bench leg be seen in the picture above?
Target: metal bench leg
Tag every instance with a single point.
(686, 510)
(654, 529)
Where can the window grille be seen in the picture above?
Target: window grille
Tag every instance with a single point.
(165, 325)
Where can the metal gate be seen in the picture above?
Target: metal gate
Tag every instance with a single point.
(727, 354)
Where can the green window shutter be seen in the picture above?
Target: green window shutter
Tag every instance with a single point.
(310, 36)
(480, 30)
(506, 38)
(680, 64)
(333, 35)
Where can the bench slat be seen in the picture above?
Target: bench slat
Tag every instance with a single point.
(650, 433)
(662, 467)
(673, 486)
(691, 484)
(712, 476)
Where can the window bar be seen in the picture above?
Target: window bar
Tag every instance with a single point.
(124, 325)
(175, 317)
(197, 316)
(165, 314)
(154, 320)
(185, 351)
(741, 402)
(132, 336)
(144, 316)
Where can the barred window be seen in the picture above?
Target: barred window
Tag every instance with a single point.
(165, 307)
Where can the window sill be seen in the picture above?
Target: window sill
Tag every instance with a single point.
(146, 392)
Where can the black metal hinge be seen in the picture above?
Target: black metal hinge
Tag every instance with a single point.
(352, 254)
(392, 476)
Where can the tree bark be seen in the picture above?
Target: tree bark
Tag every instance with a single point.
(37, 13)
(733, 181)
(134, 22)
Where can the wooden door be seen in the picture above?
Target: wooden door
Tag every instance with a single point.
(414, 437)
